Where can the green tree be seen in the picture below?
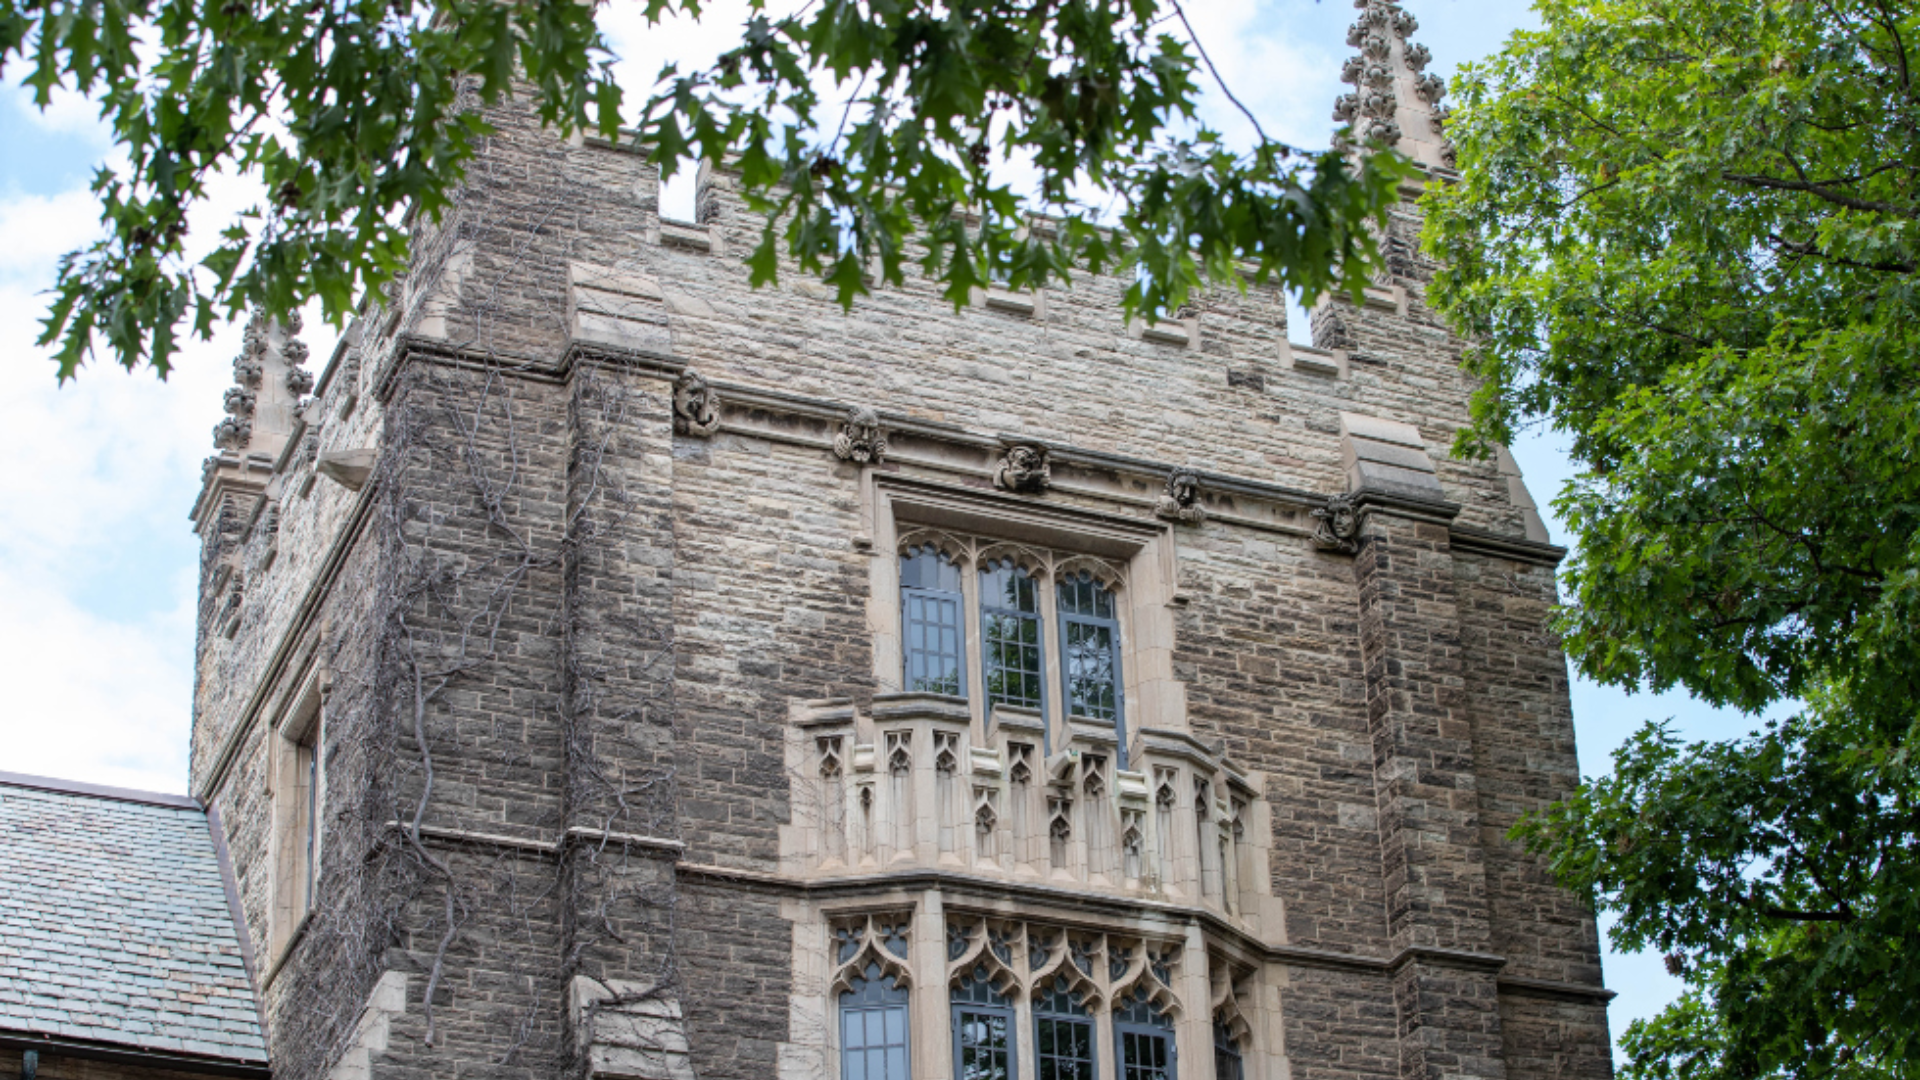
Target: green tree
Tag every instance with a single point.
(1685, 235)
(354, 113)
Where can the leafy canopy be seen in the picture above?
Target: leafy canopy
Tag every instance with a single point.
(1686, 235)
(355, 113)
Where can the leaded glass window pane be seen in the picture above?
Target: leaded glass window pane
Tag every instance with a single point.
(1144, 1056)
(982, 1030)
(1090, 651)
(873, 1028)
(931, 622)
(1227, 1062)
(1010, 635)
(1145, 1035)
(1062, 1034)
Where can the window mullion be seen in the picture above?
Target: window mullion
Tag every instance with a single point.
(1053, 697)
(973, 682)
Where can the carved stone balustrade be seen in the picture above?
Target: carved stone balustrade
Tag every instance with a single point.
(911, 785)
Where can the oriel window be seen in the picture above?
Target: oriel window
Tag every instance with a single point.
(1010, 635)
(931, 623)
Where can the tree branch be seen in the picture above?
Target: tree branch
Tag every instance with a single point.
(1820, 191)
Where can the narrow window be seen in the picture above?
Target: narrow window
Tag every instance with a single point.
(1227, 1062)
(873, 1028)
(297, 776)
(982, 1029)
(1010, 635)
(1090, 650)
(1062, 1033)
(307, 766)
(1145, 1035)
(931, 619)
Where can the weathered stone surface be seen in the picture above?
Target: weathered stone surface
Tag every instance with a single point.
(619, 630)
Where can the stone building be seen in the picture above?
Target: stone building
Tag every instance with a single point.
(610, 669)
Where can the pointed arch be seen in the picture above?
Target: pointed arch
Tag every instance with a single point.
(1151, 968)
(865, 941)
(991, 946)
(957, 549)
(1113, 577)
(1032, 560)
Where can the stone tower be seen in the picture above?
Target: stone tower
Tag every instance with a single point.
(608, 669)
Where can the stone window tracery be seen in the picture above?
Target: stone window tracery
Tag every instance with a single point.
(1062, 986)
(1232, 1034)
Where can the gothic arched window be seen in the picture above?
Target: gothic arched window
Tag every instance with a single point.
(1145, 1038)
(1090, 652)
(1010, 635)
(932, 622)
(873, 1028)
(983, 1036)
(1062, 1033)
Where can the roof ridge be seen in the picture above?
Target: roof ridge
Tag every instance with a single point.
(99, 791)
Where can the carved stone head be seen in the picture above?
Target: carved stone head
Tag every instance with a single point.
(1181, 499)
(1339, 528)
(862, 438)
(695, 406)
(1025, 469)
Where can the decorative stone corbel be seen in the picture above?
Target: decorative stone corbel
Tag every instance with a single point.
(1339, 528)
(1181, 499)
(1024, 469)
(348, 468)
(862, 437)
(696, 408)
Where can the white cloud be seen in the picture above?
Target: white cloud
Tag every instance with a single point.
(67, 113)
(98, 564)
(89, 697)
(41, 228)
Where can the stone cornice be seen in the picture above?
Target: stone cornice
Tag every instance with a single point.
(1412, 507)
(739, 401)
(1482, 542)
(959, 888)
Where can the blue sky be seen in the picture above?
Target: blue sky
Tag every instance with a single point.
(97, 562)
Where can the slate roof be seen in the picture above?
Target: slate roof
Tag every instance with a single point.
(115, 926)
